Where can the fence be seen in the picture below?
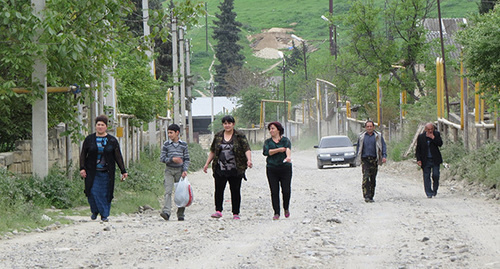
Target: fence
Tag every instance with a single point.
(65, 154)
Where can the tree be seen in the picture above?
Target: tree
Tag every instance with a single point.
(161, 44)
(481, 52)
(242, 78)
(396, 49)
(227, 50)
(486, 5)
(77, 39)
(249, 104)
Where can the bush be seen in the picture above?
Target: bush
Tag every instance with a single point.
(198, 157)
(453, 152)
(481, 165)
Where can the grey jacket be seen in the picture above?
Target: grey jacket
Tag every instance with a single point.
(380, 147)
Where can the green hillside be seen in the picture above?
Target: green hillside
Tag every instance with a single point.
(303, 16)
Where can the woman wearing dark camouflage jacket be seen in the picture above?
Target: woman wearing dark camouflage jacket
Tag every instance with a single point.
(231, 155)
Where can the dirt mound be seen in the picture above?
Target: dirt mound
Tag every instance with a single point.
(267, 43)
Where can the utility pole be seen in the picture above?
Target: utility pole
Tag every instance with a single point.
(175, 67)
(189, 94)
(206, 27)
(145, 17)
(333, 34)
(39, 116)
(182, 69)
(444, 61)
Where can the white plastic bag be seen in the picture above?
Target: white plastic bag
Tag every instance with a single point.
(183, 193)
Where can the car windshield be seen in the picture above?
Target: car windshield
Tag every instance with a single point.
(335, 142)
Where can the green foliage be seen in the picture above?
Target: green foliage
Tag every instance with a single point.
(481, 52)
(55, 190)
(138, 92)
(197, 155)
(227, 49)
(249, 105)
(486, 6)
(15, 119)
(453, 152)
(480, 165)
(23, 200)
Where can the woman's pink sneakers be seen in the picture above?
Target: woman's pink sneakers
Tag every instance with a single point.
(217, 215)
(287, 213)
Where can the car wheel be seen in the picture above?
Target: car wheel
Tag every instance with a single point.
(320, 166)
(352, 165)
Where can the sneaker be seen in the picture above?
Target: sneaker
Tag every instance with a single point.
(105, 219)
(180, 218)
(367, 200)
(216, 215)
(287, 213)
(94, 216)
(165, 216)
(276, 217)
(236, 216)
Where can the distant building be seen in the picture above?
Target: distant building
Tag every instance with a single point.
(450, 28)
(202, 111)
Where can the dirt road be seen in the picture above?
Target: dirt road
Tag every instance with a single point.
(330, 227)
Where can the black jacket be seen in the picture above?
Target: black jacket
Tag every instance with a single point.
(421, 152)
(88, 161)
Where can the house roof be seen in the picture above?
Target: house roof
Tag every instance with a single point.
(450, 28)
(202, 106)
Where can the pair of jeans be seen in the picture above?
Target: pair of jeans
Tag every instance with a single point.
(431, 187)
(172, 175)
(99, 195)
(276, 176)
(235, 187)
(370, 169)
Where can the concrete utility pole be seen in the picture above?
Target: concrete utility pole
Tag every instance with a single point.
(145, 17)
(189, 93)
(333, 35)
(182, 69)
(39, 117)
(206, 27)
(444, 61)
(175, 70)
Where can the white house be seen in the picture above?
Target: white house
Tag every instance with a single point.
(202, 110)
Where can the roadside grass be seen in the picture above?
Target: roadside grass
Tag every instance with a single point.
(481, 165)
(28, 204)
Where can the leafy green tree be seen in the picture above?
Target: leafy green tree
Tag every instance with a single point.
(486, 5)
(295, 57)
(248, 111)
(227, 50)
(397, 48)
(78, 42)
(162, 43)
(481, 52)
(138, 92)
(81, 41)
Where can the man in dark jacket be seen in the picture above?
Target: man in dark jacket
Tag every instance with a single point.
(429, 157)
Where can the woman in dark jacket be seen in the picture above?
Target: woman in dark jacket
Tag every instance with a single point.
(231, 155)
(100, 152)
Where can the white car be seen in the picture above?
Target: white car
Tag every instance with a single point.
(337, 149)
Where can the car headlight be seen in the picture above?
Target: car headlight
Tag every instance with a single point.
(324, 155)
(349, 154)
